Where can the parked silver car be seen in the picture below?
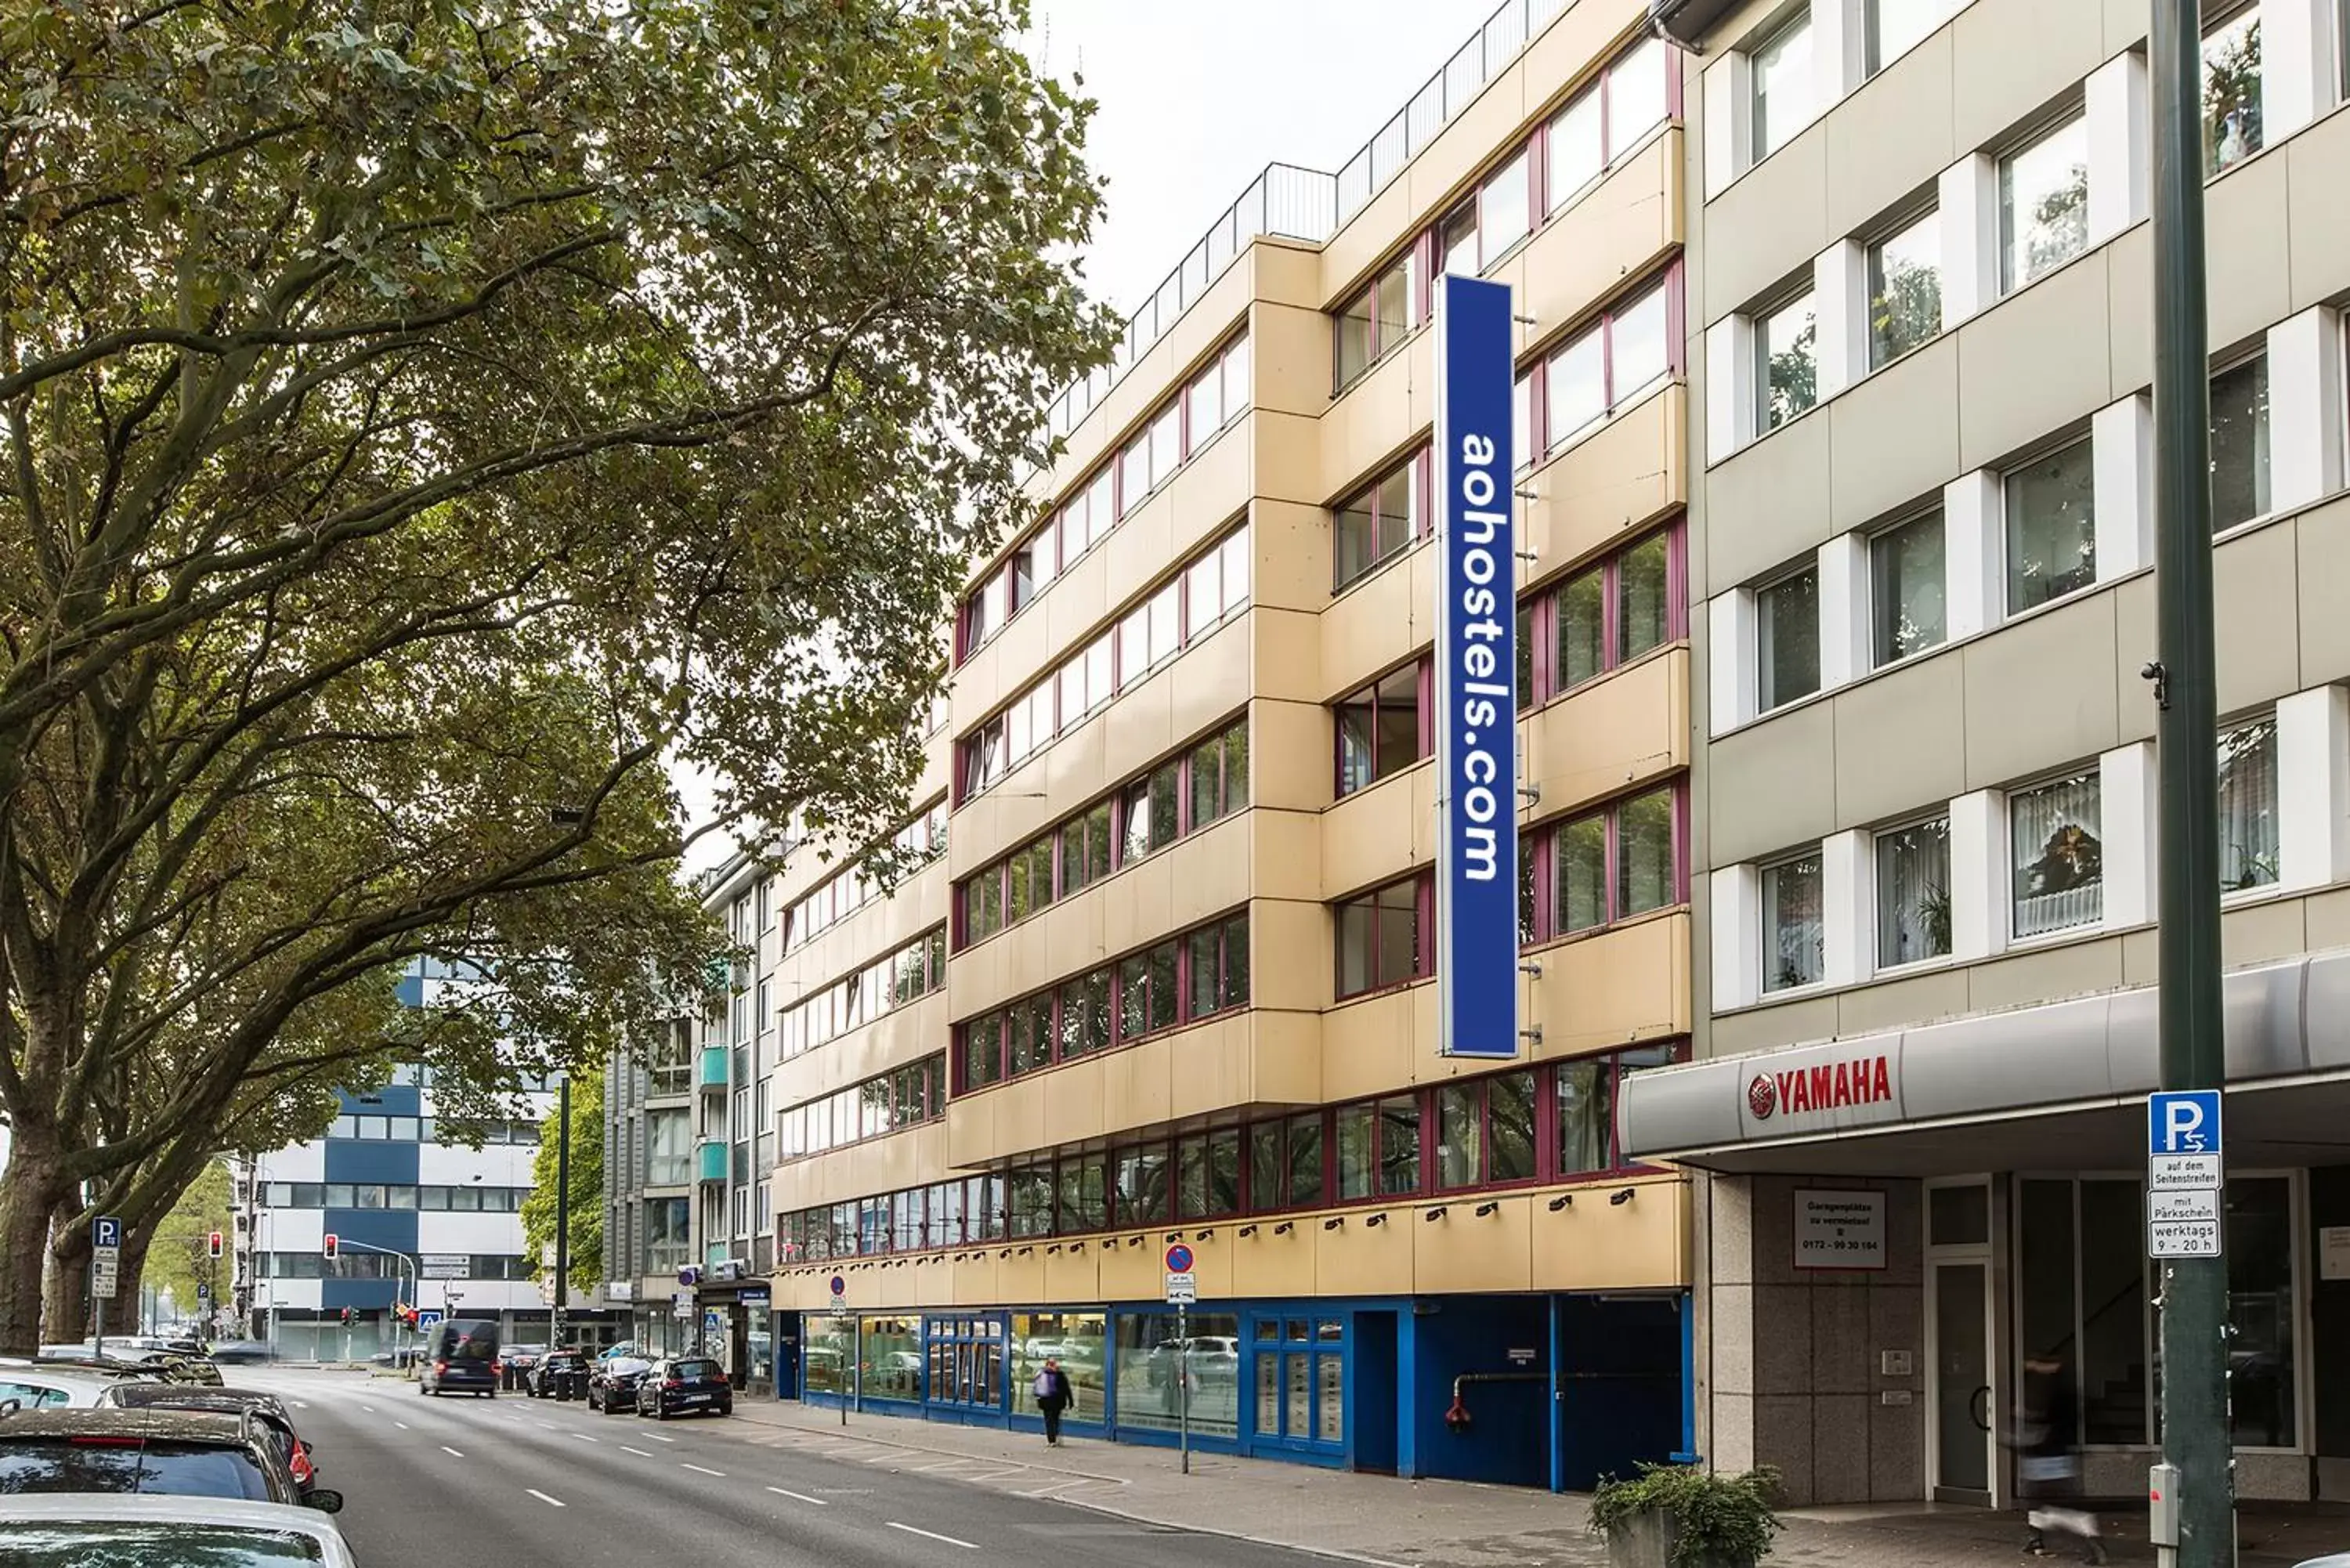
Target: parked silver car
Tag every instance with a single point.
(69, 1527)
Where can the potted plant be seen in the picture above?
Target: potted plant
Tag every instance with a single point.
(1679, 1516)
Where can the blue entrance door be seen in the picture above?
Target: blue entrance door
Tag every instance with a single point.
(965, 1368)
(1298, 1378)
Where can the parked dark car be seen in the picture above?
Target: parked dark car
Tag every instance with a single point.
(684, 1385)
(463, 1358)
(242, 1352)
(180, 1453)
(269, 1412)
(558, 1374)
(612, 1385)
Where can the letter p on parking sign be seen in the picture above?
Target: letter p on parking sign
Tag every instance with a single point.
(2183, 1121)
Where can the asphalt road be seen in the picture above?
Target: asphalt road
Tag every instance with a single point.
(458, 1481)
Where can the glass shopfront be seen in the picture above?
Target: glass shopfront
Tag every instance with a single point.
(888, 1358)
(831, 1353)
(1080, 1341)
(1300, 1368)
(966, 1362)
(1150, 1379)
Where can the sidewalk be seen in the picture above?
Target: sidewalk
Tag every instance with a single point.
(1380, 1519)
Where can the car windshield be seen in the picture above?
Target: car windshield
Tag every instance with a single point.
(693, 1369)
(176, 1469)
(151, 1543)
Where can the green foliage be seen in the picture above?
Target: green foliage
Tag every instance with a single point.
(420, 429)
(538, 1210)
(1718, 1519)
(179, 1258)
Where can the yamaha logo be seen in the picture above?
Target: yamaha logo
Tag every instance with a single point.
(1761, 1097)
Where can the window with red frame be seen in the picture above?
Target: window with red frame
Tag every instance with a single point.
(904, 1097)
(1606, 120)
(1382, 728)
(1545, 1124)
(1380, 521)
(1220, 392)
(1376, 322)
(1628, 857)
(1610, 613)
(1209, 586)
(1180, 796)
(1196, 975)
(1382, 937)
(1598, 369)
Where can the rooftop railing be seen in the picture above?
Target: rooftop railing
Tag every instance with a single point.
(1286, 201)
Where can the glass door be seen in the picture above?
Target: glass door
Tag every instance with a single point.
(1959, 1354)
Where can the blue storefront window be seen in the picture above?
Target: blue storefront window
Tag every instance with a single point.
(966, 1364)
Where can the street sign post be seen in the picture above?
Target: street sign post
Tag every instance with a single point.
(2185, 1172)
(428, 1317)
(1183, 1290)
(105, 1273)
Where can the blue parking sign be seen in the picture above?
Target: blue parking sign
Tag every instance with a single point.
(2182, 1121)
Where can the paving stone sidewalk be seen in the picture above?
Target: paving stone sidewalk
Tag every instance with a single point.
(1425, 1524)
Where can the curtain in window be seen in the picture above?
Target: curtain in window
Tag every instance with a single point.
(2248, 806)
(2060, 877)
(1583, 1116)
(1795, 941)
(1913, 893)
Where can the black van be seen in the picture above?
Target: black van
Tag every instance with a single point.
(463, 1359)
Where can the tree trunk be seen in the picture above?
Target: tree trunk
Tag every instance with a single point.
(28, 1191)
(67, 1315)
(122, 1315)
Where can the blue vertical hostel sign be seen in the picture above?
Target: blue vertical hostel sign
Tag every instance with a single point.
(1476, 674)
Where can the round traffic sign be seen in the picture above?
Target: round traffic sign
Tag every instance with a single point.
(1179, 1259)
(839, 1287)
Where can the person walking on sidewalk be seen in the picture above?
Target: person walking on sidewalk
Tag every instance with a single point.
(2048, 1460)
(1053, 1395)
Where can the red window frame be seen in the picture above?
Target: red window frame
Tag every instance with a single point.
(1414, 257)
(1541, 674)
(1367, 695)
(1540, 865)
(1542, 443)
(1422, 501)
(1423, 889)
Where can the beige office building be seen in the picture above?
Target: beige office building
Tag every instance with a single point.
(1920, 340)
(1166, 977)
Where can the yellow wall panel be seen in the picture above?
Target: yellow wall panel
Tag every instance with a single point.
(1612, 735)
(1611, 485)
(1617, 987)
(1359, 1257)
(1494, 1253)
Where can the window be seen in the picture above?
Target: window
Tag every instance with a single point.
(1456, 242)
(1218, 771)
(1643, 604)
(1485, 1130)
(1913, 893)
(1149, 999)
(2059, 858)
(1782, 84)
(2248, 806)
(1578, 149)
(1150, 810)
(1905, 290)
(2044, 204)
(1208, 1174)
(1639, 94)
(1613, 864)
(1218, 958)
(1604, 616)
(1379, 729)
(1505, 202)
(1085, 1015)
(1084, 848)
(1215, 584)
(1787, 640)
(1786, 373)
(1907, 589)
(1378, 939)
(1378, 522)
(1379, 1147)
(2239, 443)
(2051, 534)
(1375, 323)
(1592, 375)
(2231, 87)
(1896, 27)
(1794, 942)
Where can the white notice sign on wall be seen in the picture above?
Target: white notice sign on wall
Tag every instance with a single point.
(1839, 1230)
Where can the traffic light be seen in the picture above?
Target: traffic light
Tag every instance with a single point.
(328, 1246)
(346, 1317)
(215, 1244)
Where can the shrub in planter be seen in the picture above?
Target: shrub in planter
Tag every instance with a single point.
(1677, 1516)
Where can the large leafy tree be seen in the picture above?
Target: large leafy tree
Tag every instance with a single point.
(539, 1210)
(179, 1253)
(420, 425)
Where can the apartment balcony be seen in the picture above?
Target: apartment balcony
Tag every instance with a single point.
(710, 1160)
(710, 1071)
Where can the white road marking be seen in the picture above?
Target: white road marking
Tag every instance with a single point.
(450, 1452)
(299, 1405)
(586, 1439)
(369, 1409)
(401, 1425)
(548, 1425)
(799, 1497)
(551, 1501)
(641, 1453)
(931, 1535)
(657, 1438)
(705, 1469)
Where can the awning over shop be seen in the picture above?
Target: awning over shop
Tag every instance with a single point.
(2056, 1085)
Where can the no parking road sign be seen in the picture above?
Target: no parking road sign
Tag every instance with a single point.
(1182, 1284)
